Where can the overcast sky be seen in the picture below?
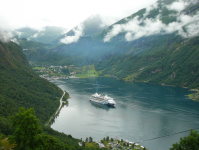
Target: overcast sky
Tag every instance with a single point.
(65, 13)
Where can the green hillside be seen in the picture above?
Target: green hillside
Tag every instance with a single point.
(21, 87)
(166, 59)
(33, 50)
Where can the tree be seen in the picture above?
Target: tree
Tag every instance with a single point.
(27, 129)
(133, 145)
(6, 144)
(190, 142)
(90, 139)
(107, 138)
(83, 144)
(48, 142)
(1, 137)
(86, 139)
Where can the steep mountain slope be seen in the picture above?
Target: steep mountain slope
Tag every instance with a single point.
(21, 87)
(159, 57)
(33, 50)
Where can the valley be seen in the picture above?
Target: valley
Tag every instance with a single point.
(147, 60)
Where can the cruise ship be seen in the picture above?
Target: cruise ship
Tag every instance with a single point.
(104, 100)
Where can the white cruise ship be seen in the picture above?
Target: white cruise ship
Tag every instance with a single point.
(104, 100)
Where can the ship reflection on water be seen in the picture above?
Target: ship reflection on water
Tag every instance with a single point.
(97, 105)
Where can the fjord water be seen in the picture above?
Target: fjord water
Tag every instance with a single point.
(142, 112)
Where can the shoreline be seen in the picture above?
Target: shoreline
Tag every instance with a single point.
(194, 96)
(57, 111)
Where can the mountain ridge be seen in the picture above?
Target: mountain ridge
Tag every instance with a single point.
(122, 51)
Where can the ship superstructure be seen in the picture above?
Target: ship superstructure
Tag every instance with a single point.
(104, 100)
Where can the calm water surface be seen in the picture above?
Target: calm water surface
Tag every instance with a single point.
(142, 112)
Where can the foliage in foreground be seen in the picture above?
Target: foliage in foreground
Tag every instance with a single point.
(29, 135)
(188, 143)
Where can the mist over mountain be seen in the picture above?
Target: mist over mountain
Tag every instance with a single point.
(45, 35)
(140, 47)
(91, 27)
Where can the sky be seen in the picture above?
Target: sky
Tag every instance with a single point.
(36, 14)
(68, 14)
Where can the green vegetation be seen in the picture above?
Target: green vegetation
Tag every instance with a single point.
(194, 96)
(33, 50)
(87, 71)
(20, 87)
(66, 96)
(186, 143)
(61, 71)
(27, 129)
(36, 68)
(29, 135)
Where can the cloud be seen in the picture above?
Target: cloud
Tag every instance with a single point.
(149, 8)
(177, 6)
(15, 41)
(35, 35)
(71, 39)
(5, 35)
(186, 26)
(18, 33)
(115, 31)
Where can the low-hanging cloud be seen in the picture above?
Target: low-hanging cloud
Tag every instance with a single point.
(15, 41)
(133, 30)
(39, 33)
(177, 6)
(71, 39)
(5, 36)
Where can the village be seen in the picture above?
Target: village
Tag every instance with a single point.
(115, 144)
(53, 73)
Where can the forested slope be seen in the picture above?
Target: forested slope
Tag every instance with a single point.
(21, 87)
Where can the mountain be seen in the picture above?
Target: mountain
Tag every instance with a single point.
(33, 50)
(45, 35)
(157, 45)
(21, 87)
(90, 27)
